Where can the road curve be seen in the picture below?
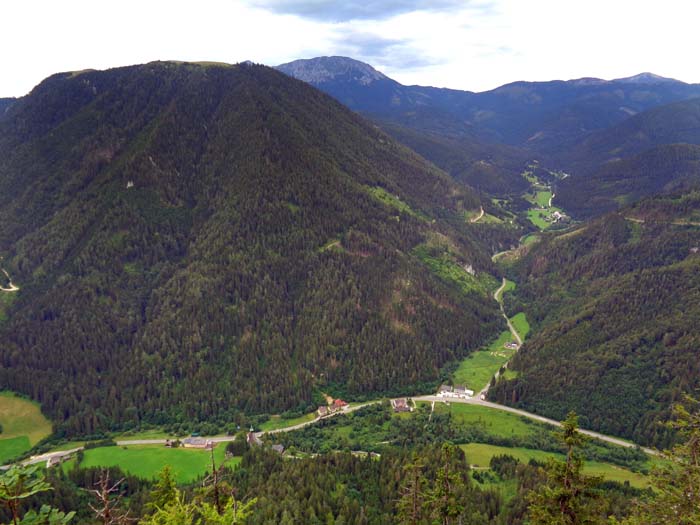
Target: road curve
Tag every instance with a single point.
(481, 214)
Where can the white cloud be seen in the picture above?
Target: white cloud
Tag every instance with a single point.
(479, 46)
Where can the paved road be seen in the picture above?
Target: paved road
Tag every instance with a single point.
(542, 419)
(43, 458)
(675, 223)
(498, 296)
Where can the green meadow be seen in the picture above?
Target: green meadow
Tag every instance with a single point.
(145, 461)
(480, 454)
(23, 425)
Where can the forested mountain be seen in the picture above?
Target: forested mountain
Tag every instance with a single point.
(192, 241)
(668, 124)
(5, 103)
(614, 306)
(485, 139)
(429, 120)
(618, 183)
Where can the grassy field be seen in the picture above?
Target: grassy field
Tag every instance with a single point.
(444, 266)
(480, 455)
(537, 218)
(530, 238)
(392, 200)
(495, 422)
(477, 369)
(542, 198)
(23, 425)
(519, 322)
(146, 461)
(276, 422)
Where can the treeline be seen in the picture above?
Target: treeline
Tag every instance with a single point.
(615, 306)
(420, 485)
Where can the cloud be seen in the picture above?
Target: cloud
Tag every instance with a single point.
(378, 50)
(342, 11)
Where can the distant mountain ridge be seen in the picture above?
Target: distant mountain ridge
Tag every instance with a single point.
(534, 115)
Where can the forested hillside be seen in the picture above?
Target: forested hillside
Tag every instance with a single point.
(614, 306)
(5, 103)
(622, 182)
(191, 242)
(674, 123)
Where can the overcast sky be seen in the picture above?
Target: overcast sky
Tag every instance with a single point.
(468, 44)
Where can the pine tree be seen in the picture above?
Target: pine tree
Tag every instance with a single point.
(164, 492)
(568, 497)
(676, 482)
(411, 505)
(444, 499)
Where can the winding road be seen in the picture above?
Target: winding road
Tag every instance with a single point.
(481, 214)
(12, 287)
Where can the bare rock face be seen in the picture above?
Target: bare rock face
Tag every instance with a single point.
(326, 69)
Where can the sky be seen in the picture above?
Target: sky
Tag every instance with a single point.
(462, 44)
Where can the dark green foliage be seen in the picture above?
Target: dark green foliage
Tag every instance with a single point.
(344, 488)
(614, 307)
(373, 427)
(215, 286)
(568, 497)
(674, 123)
(622, 182)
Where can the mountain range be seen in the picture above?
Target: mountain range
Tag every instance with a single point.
(485, 139)
(199, 243)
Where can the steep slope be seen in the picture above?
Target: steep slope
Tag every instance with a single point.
(621, 182)
(614, 309)
(668, 124)
(429, 120)
(192, 242)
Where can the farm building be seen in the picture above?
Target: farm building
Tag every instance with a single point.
(197, 442)
(400, 405)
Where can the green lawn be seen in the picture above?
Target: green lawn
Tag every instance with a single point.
(537, 218)
(480, 454)
(23, 425)
(477, 369)
(276, 422)
(145, 461)
(490, 219)
(519, 322)
(530, 238)
(495, 422)
(542, 198)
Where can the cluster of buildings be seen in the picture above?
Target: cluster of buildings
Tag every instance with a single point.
(457, 391)
(337, 405)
